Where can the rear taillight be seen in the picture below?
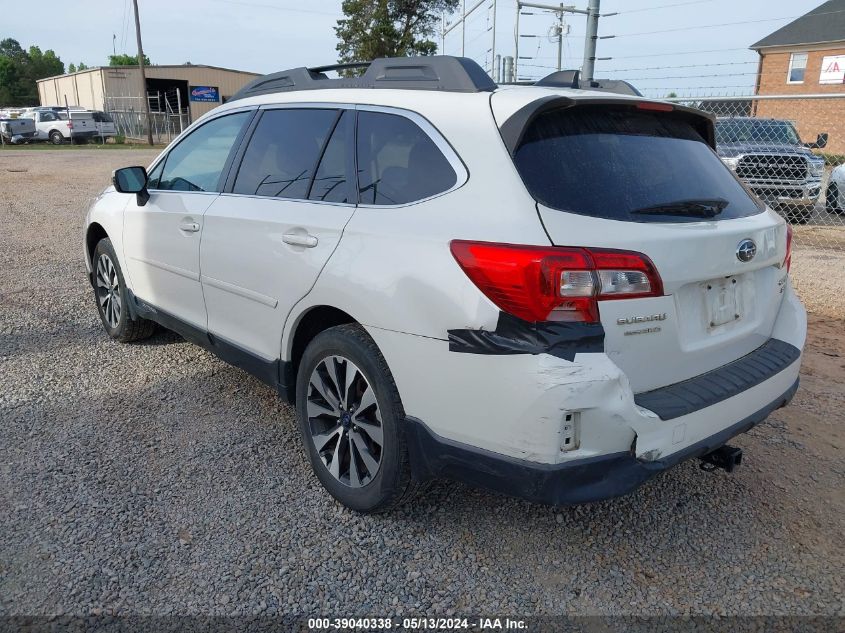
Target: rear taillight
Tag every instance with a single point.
(787, 261)
(70, 125)
(542, 283)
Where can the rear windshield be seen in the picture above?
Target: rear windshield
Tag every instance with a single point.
(627, 164)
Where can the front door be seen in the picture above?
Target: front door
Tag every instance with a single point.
(162, 238)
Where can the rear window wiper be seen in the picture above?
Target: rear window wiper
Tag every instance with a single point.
(704, 208)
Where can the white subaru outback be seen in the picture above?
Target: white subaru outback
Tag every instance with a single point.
(546, 291)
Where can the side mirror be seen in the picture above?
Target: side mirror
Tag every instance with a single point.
(820, 142)
(132, 180)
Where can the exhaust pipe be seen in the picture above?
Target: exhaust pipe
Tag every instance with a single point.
(725, 457)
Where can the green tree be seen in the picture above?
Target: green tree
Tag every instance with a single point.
(71, 68)
(82, 66)
(127, 60)
(389, 28)
(19, 69)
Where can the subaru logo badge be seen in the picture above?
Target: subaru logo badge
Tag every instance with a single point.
(746, 250)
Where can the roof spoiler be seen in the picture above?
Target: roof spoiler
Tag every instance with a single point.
(436, 72)
(513, 129)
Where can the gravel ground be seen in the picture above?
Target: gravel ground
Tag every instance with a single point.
(153, 478)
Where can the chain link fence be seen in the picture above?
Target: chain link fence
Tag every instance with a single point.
(790, 150)
(168, 115)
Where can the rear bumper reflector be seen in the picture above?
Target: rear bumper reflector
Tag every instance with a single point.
(683, 398)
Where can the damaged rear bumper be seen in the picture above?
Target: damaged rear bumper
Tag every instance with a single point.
(579, 481)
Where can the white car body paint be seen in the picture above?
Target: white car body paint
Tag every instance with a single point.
(390, 268)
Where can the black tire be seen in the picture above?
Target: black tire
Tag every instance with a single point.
(56, 138)
(797, 213)
(831, 200)
(118, 325)
(392, 483)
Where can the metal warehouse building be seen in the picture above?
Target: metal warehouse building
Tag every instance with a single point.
(177, 94)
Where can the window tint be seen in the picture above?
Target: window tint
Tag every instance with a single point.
(620, 163)
(331, 182)
(154, 176)
(283, 151)
(195, 163)
(48, 116)
(398, 162)
(756, 131)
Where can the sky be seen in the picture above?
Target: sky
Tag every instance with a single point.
(690, 47)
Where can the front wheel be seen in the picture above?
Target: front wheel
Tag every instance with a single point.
(832, 201)
(797, 213)
(349, 414)
(113, 299)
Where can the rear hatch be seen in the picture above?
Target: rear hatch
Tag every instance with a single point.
(643, 177)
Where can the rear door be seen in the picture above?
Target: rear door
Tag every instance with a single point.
(267, 238)
(634, 177)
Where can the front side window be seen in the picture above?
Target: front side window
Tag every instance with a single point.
(398, 163)
(154, 176)
(797, 66)
(197, 162)
(281, 156)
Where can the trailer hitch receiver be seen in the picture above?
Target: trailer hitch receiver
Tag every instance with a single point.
(725, 457)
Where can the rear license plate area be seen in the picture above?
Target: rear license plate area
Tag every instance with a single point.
(722, 301)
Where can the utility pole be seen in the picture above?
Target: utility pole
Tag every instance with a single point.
(560, 38)
(144, 74)
(589, 67)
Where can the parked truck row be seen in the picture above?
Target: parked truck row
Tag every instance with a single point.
(56, 125)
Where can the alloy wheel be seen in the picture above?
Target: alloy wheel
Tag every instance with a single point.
(108, 290)
(344, 420)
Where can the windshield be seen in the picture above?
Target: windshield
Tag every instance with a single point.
(626, 164)
(751, 131)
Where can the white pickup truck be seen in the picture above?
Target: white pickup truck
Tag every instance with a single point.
(60, 126)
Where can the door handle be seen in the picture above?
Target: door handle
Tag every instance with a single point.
(190, 227)
(298, 239)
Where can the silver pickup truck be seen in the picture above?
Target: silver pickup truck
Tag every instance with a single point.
(17, 130)
(768, 156)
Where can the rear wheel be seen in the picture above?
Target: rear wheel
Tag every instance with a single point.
(350, 414)
(56, 137)
(113, 299)
(832, 202)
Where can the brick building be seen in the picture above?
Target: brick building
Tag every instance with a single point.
(806, 57)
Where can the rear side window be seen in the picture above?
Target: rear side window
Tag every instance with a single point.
(398, 163)
(626, 164)
(196, 163)
(331, 183)
(283, 152)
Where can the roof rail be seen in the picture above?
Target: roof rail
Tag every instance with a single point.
(572, 79)
(436, 72)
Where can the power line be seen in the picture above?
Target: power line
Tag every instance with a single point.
(624, 70)
(711, 26)
(262, 5)
(712, 50)
(662, 6)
